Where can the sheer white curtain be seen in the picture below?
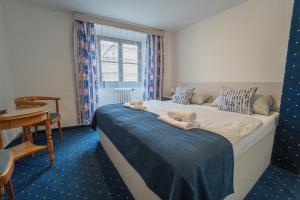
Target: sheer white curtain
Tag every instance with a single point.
(121, 57)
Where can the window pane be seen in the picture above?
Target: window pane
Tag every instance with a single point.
(109, 51)
(130, 62)
(130, 53)
(130, 72)
(109, 71)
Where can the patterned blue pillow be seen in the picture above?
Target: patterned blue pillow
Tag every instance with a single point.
(236, 100)
(183, 95)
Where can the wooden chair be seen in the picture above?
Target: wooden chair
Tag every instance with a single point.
(36, 101)
(6, 170)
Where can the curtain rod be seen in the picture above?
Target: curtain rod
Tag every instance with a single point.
(116, 23)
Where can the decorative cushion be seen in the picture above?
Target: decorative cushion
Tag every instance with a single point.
(236, 100)
(199, 98)
(183, 95)
(262, 104)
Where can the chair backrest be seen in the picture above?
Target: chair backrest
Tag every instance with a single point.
(35, 101)
(28, 102)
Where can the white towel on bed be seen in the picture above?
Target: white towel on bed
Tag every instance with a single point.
(135, 106)
(182, 115)
(179, 124)
(137, 103)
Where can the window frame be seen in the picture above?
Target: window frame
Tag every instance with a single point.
(120, 63)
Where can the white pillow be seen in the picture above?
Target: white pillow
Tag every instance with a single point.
(199, 98)
(215, 102)
(262, 104)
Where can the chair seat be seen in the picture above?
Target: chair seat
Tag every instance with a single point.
(53, 116)
(4, 160)
(6, 170)
(6, 166)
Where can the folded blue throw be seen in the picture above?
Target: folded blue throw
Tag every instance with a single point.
(175, 164)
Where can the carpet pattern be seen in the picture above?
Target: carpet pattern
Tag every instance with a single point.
(276, 183)
(83, 171)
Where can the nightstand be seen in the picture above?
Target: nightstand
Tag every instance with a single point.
(165, 98)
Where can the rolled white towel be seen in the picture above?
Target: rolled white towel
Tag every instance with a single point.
(182, 115)
(179, 124)
(137, 103)
(129, 105)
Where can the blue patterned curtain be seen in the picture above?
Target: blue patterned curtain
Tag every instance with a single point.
(286, 150)
(154, 67)
(86, 71)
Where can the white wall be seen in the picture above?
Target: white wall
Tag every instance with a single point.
(40, 48)
(169, 65)
(246, 43)
(6, 84)
(6, 87)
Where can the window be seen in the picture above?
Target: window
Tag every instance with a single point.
(119, 60)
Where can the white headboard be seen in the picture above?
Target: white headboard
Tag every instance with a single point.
(265, 88)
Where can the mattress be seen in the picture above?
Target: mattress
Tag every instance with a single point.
(261, 124)
(268, 124)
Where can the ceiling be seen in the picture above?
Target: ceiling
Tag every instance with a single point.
(171, 15)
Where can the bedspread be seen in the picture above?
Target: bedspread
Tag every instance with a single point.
(174, 163)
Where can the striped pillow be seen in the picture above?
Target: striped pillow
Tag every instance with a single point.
(236, 100)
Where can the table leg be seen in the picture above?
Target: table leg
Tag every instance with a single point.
(2, 191)
(49, 141)
(10, 190)
(24, 134)
(27, 136)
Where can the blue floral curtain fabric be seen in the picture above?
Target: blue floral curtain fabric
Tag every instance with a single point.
(86, 71)
(286, 150)
(154, 67)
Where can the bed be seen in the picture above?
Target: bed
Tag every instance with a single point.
(251, 147)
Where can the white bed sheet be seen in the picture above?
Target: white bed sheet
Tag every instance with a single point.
(241, 130)
(269, 124)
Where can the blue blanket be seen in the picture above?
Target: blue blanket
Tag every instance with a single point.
(174, 163)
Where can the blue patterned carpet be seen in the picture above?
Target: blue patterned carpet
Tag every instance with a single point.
(276, 183)
(83, 171)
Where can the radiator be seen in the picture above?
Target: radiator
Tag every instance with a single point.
(122, 95)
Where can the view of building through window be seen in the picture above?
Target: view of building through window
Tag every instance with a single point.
(130, 62)
(109, 61)
(119, 60)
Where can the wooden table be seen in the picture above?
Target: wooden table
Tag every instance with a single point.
(26, 118)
